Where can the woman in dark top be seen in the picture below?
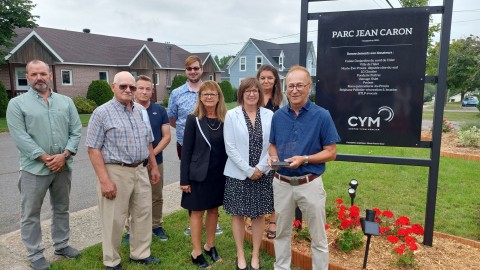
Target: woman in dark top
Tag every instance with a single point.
(248, 191)
(273, 99)
(201, 176)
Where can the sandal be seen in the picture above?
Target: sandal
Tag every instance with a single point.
(270, 233)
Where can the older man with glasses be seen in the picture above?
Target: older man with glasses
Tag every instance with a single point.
(119, 139)
(304, 137)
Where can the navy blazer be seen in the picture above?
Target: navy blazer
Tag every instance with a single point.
(195, 151)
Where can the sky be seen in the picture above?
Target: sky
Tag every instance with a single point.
(220, 27)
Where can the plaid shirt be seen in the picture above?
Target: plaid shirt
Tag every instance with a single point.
(120, 134)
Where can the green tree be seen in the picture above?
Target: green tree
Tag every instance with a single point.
(463, 61)
(223, 61)
(227, 91)
(434, 28)
(178, 81)
(13, 14)
(3, 100)
(99, 91)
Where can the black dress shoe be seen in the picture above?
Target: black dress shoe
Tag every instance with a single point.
(253, 268)
(116, 267)
(148, 260)
(213, 254)
(200, 261)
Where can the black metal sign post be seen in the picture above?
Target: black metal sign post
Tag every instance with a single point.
(370, 76)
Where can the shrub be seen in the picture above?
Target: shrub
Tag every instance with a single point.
(227, 91)
(178, 81)
(165, 101)
(3, 100)
(313, 98)
(429, 92)
(84, 105)
(235, 91)
(469, 136)
(100, 92)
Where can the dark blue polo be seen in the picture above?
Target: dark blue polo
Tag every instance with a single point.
(305, 135)
(158, 117)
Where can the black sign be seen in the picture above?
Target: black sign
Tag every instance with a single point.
(370, 74)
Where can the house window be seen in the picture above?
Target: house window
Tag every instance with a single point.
(280, 63)
(243, 63)
(259, 62)
(66, 77)
(210, 77)
(156, 79)
(21, 80)
(103, 75)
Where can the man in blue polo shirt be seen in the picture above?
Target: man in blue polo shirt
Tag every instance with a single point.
(302, 134)
(161, 134)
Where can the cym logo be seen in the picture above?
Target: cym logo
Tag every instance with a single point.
(369, 122)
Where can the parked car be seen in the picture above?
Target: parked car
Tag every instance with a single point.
(470, 101)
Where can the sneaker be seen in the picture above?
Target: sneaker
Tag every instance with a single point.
(126, 240)
(68, 252)
(219, 230)
(40, 264)
(187, 231)
(160, 233)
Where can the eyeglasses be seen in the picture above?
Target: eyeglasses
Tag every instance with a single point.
(124, 87)
(193, 68)
(253, 91)
(299, 86)
(209, 95)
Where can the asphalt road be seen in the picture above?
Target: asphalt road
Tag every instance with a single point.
(83, 193)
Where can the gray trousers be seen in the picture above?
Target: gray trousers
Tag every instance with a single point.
(33, 189)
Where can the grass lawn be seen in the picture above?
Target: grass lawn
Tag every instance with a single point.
(174, 253)
(401, 189)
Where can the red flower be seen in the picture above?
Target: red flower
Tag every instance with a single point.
(409, 240)
(377, 211)
(387, 214)
(401, 221)
(338, 201)
(384, 230)
(346, 223)
(392, 239)
(402, 232)
(297, 223)
(400, 249)
(341, 212)
(354, 211)
(417, 229)
(327, 226)
(413, 246)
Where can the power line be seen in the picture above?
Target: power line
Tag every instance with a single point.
(467, 10)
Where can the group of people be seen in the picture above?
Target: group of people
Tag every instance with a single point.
(265, 156)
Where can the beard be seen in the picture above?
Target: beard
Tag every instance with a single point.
(194, 80)
(40, 86)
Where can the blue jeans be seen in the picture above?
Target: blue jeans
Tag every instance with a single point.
(33, 189)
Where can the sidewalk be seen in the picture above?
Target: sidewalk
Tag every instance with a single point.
(85, 231)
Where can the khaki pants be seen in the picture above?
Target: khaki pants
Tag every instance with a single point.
(310, 198)
(134, 197)
(157, 200)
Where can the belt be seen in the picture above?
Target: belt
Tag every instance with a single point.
(123, 164)
(296, 180)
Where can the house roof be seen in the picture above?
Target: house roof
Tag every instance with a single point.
(271, 51)
(72, 47)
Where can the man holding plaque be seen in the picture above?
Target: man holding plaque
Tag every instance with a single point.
(303, 137)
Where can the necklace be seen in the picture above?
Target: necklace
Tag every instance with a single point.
(211, 125)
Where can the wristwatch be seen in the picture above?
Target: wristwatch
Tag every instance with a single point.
(305, 161)
(66, 155)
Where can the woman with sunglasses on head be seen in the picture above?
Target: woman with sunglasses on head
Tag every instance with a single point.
(201, 180)
(248, 191)
(274, 99)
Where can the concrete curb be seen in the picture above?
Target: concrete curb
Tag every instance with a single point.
(85, 231)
